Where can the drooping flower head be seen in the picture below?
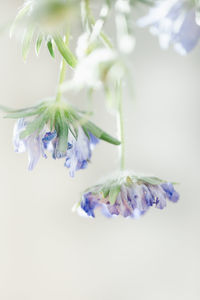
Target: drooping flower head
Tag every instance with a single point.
(59, 129)
(174, 22)
(127, 195)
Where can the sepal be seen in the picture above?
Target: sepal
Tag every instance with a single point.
(61, 117)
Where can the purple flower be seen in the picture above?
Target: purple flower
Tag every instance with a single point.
(132, 200)
(32, 144)
(78, 151)
(173, 21)
(170, 191)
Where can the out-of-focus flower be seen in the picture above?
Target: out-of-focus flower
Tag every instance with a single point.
(59, 129)
(174, 22)
(46, 21)
(127, 195)
(48, 16)
(103, 68)
(100, 68)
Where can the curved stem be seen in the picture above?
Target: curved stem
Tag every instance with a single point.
(121, 126)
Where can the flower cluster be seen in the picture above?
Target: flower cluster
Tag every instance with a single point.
(77, 152)
(55, 127)
(128, 196)
(60, 130)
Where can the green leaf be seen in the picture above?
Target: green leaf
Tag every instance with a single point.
(11, 110)
(72, 123)
(52, 120)
(99, 133)
(25, 113)
(105, 191)
(50, 48)
(73, 132)
(114, 191)
(6, 109)
(36, 125)
(38, 44)
(86, 132)
(108, 138)
(65, 51)
(26, 44)
(62, 129)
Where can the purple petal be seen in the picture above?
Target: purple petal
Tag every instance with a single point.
(19, 144)
(80, 152)
(172, 195)
(158, 195)
(34, 149)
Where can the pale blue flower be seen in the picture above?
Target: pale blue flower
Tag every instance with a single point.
(174, 22)
(32, 144)
(78, 151)
(132, 200)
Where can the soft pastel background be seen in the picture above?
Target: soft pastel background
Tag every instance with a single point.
(49, 253)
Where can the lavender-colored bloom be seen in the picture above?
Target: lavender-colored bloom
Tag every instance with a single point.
(171, 194)
(32, 144)
(132, 200)
(89, 203)
(173, 21)
(78, 151)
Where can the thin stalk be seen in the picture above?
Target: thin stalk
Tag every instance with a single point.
(62, 74)
(121, 126)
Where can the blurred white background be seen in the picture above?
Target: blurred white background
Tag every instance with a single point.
(49, 253)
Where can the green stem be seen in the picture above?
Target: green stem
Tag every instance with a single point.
(61, 79)
(121, 126)
(62, 75)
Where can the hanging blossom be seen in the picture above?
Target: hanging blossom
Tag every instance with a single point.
(60, 130)
(78, 151)
(174, 22)
(128, 196)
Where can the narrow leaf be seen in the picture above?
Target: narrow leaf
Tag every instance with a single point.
(86, 132)
(50, 48)
(65, 51)
(35, 126)
(105, 191)
(27, 109)
(38, 44)
(114, 191)
(99, 133)
(62, 129)
(22, 114)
